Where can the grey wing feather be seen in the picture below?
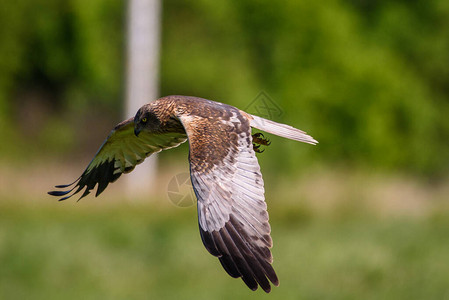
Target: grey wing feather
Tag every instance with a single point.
(232, 212)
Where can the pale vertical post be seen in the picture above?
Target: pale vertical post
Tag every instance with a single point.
(142, 79)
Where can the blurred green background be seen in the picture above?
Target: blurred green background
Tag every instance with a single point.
(364, 214)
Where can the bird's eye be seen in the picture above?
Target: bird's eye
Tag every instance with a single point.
(144, 120)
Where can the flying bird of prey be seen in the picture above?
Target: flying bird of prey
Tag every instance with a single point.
(225, 174)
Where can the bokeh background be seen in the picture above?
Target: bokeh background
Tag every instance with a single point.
(362, 215)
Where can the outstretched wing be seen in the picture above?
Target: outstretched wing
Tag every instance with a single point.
(119, 153)
(232, 212)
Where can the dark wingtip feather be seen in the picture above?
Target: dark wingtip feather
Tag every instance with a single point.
(63, 186)
(208, 242)
(66, 197)
(229, 266)
(266, 289)
(58, 193)
(251, 288)
(86, 192)
(100, 190)
(63, 193)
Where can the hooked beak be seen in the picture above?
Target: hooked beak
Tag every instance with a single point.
(136, 131)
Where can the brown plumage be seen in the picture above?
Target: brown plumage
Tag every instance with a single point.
(225, 174)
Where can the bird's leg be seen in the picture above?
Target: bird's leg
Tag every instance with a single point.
(259, 139)
(257, 148)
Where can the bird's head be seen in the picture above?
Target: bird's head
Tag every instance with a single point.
(146, 119)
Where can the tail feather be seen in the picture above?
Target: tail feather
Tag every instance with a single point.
(282, 130)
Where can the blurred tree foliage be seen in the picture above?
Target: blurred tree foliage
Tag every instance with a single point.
(369, 79)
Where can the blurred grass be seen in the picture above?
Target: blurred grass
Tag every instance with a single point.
(94, 250)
